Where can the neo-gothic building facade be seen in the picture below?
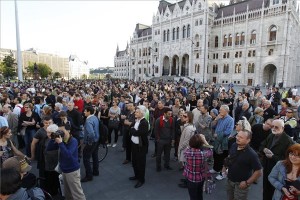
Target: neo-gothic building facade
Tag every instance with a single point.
(250, 42)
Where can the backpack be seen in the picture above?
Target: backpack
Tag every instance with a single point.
(103, 130)
(22, 109)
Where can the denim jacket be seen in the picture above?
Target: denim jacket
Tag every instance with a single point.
(277, 178)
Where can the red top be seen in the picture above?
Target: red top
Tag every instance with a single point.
(80, 104)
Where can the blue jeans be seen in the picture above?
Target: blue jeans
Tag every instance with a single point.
(195, 190)
(88, 152)
(29, 133)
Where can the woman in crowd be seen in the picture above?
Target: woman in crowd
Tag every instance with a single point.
(284, 105)
(104, 113)
(196, 155)
(285, 176)
(188, 130)
(113, 124)
(27, 126)
(257, 118)
(7, 148)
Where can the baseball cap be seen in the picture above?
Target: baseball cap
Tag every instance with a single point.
(17, 162)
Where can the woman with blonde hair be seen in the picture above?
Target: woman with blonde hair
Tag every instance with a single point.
(285, 175)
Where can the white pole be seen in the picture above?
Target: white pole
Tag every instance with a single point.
(19, 55)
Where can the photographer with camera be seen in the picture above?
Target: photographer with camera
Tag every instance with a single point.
(67, 145)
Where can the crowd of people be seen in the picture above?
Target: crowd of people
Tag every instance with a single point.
(239, 136)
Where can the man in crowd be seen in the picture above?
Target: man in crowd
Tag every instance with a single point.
(164, 135)
(259, 133)
(273, 149)
(224, 125)
(243, 165)
(90, 141)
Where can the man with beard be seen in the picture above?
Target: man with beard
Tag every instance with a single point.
(273, 149)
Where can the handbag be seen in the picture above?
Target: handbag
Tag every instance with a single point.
(58, 169)
(113, 123)
(23, 131)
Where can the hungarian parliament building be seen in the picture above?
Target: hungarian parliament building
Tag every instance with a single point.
(248, 43)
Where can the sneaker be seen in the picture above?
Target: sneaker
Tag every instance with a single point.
(221, 176)
(114, 145)
(108, 145)
(212, 171)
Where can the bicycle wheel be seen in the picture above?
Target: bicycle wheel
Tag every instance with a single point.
(102, 152)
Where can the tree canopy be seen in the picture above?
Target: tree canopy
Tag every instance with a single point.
(43, 69)
(8, 67)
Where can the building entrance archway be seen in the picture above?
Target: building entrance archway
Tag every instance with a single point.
(270, 74)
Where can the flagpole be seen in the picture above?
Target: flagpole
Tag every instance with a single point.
(19, 55)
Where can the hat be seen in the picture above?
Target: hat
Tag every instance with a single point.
(215, 111)
(17, 162)
(62, 114)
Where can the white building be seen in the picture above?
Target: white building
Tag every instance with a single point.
(78, 69)
(121, 69)
(250, 42)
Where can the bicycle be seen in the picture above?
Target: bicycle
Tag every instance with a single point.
(102, 152)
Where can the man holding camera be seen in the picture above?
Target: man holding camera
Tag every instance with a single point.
(90, 141)
(68, 161)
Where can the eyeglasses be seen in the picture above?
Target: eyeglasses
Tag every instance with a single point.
(293, 154)
(275, 127)
(289, 111)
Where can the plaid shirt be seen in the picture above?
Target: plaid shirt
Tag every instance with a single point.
(194, 169)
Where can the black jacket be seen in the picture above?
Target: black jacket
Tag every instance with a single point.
(142, 132)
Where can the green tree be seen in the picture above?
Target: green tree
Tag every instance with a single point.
(84, 76)
(56, 75)
(43, 69)
(8, 67)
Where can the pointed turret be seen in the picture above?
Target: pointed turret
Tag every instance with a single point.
(117, 50)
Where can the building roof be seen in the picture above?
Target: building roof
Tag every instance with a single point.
(143, 30)
(241, 7)
(121, 53)
(163, 5)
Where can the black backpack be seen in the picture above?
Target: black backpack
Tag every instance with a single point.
(103, 131)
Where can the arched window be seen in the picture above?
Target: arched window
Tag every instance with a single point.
(230, 40)
(177, 33)
(200, 22)
(183, 32)
(242, 38)
(238, 68)
(164, 37)
(237, 39)
(188, 30)
(253, 37)
(225, 41)
(273, 32)
(196, 22)
(199, 6)
(251, 67)
(216, 42)
(168, 35)
(226, 68)
(173, 35)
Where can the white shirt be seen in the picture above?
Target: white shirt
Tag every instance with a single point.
(135, 139)
(17, 109)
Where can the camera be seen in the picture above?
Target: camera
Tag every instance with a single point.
(57, 134)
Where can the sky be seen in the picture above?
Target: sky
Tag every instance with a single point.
(89, 29)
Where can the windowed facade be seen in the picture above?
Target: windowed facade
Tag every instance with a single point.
(237, 39)
(230, 40)
(177, 33)
(173, 35)
(168, 35)
(188, 31)
(225, 41)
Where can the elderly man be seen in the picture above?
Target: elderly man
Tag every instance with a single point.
(269, 112)
(197, 111)
(243, 165)
(224, 125)
(259, 133)
(204, 123)
(245, 111)
(273, 149)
